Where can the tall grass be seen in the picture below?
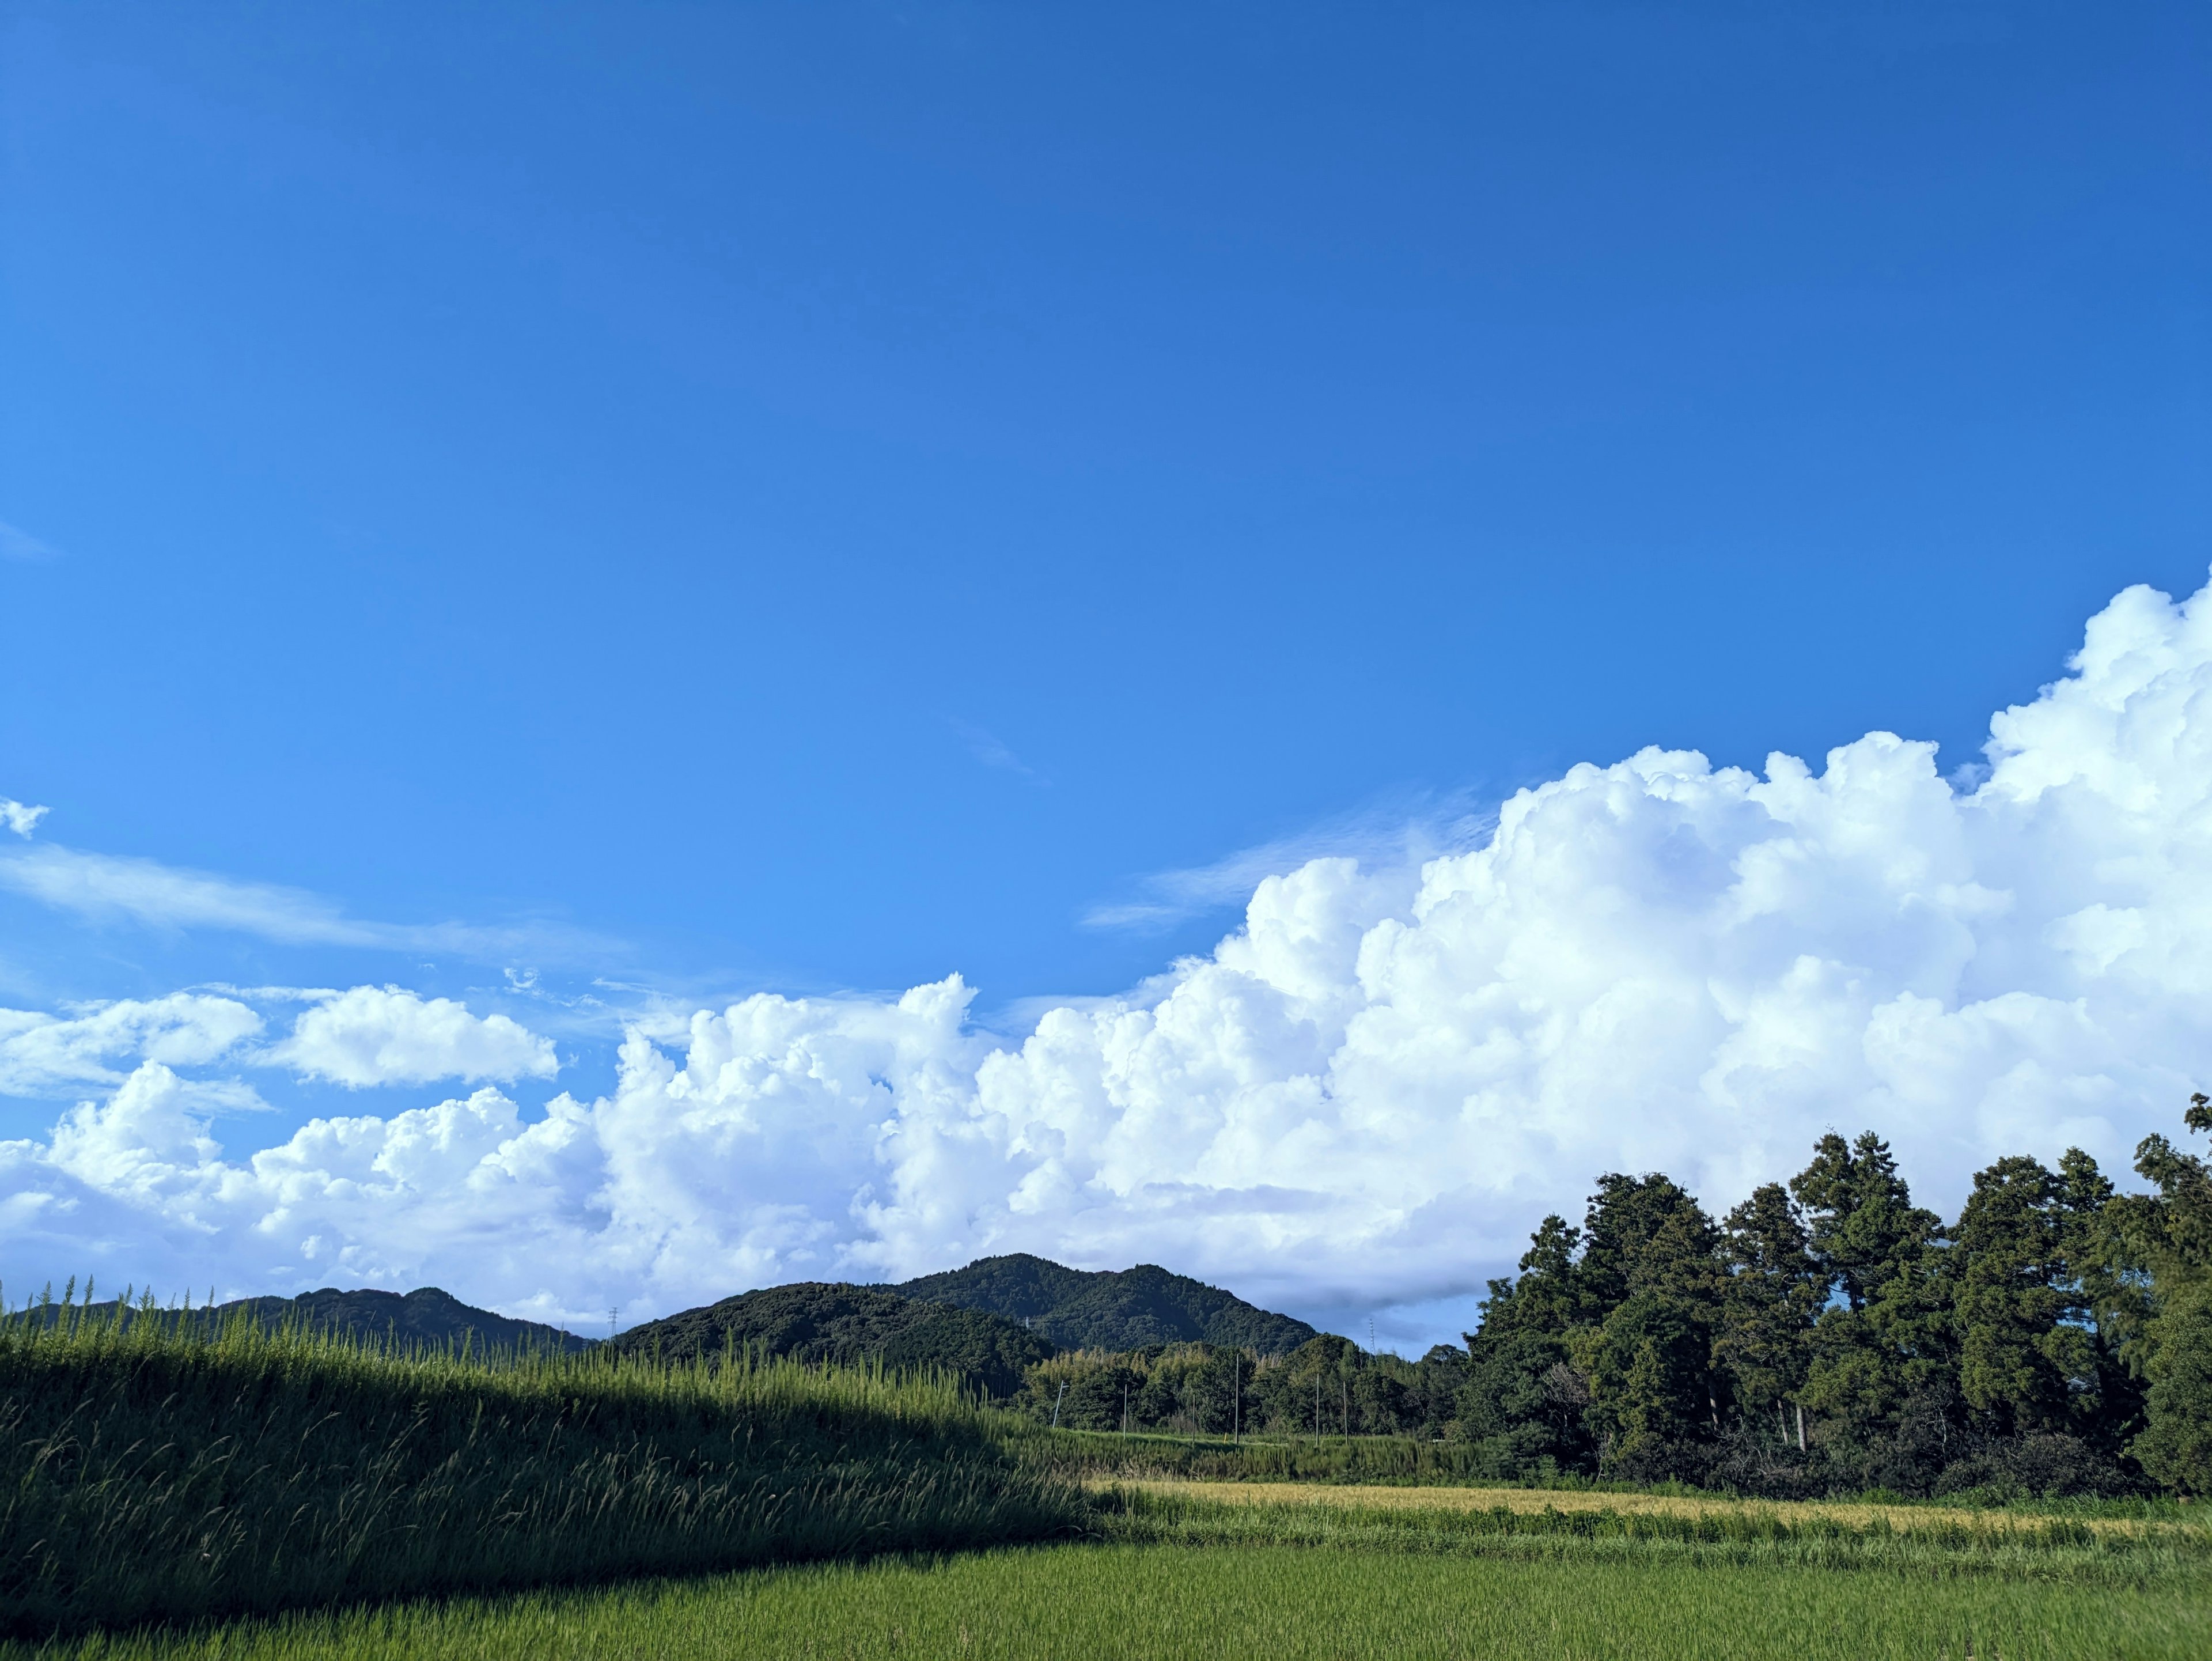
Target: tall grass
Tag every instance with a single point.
(154, 1467)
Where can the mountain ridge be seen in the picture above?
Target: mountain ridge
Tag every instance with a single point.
(1109, 1309)
(818, 1321)
(428, 1317)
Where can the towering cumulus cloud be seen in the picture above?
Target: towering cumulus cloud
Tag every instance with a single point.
(1368, 1093)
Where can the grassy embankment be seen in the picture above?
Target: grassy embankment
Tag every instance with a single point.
(149, 1469)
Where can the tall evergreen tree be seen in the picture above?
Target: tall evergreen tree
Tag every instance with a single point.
(1865, 1230)
(1774, 1292)
(2167, 1239)
(2108, 1301)
(1882, 1350)
(2055, 1327)
(2023, 1349)
(1652, 1274)
(1521, 1396)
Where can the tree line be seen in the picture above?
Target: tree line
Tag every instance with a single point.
(1825, 1335)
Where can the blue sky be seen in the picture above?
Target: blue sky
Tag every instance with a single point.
(684, 501)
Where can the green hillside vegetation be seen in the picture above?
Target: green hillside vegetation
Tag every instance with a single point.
(424, 1318)
(1326, 1387)
(1127, 1308)
(818, 1322)
(149, 1469)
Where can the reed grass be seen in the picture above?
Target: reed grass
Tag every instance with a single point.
(153, 1467)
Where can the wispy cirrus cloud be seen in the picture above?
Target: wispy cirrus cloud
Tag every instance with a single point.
(111, 887)
(1395, 836)
(18, 543)
(994, 751)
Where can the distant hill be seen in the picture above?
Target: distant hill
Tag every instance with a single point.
(425, 1318)
(818, 1321)
(1109, 1309)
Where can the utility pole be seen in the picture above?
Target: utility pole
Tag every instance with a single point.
(1062, 1396)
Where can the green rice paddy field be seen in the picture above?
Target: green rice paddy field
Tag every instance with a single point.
(1188, 1576)
(167, 1494)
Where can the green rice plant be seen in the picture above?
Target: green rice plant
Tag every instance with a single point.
(154, 1468)
(1167, 1603)
(2055, 1547)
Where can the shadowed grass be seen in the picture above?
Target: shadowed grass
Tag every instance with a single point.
(156, 1470)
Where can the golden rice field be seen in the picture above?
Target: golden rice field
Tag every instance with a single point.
(1796, 1514)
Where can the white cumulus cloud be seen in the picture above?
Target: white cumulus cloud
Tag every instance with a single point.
(41, 1054)
(384, 1035)
(19, 816)
(1365, 1096)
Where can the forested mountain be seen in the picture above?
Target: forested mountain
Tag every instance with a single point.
(1825, 1335)
(1108, 1309)
(816, 1321)
(426, 1317)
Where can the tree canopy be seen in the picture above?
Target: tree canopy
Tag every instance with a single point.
(1826, 1335)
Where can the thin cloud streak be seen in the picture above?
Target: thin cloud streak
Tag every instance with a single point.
(110, 887)
(1378, 837)
(994, 751)
(20, 544)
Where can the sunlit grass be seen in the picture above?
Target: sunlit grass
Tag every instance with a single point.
(2007, 1523)
(1284, 1604)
